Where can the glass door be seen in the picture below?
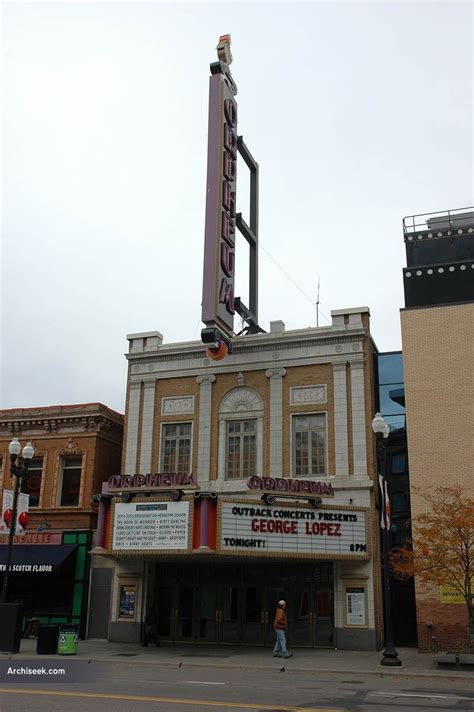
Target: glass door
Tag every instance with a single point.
(230, 614)
(206, 625)
(184, 613)
(165, 612)
(255, 616)
(300, 613)
(324, 617)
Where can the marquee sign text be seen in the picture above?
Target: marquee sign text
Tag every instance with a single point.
(293, 530)
(158, 525)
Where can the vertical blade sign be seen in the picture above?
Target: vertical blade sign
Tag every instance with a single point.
(219, 241)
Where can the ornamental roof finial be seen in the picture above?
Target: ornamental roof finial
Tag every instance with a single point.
(223, 49)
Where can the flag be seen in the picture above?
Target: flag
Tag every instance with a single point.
(385, 508)
(388, 508)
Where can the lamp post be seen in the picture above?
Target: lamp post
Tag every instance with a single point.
(17, 471)
(390, 655)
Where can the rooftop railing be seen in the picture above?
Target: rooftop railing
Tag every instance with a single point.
(455, 220)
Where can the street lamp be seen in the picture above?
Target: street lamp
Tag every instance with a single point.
(390, 655)
(17, 471)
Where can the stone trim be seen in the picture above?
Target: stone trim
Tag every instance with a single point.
(146, 443)
(315, 394)
(341, 444)
(359, 440)
(177, 405)
(205, 426)
(131, 443)
(276, 375)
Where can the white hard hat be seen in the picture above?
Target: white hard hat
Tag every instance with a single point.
(282, 603)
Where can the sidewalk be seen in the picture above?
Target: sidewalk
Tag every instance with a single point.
(308, 660)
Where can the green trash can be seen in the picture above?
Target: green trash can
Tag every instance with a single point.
(68, 640)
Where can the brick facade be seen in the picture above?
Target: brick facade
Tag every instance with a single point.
(438, 352)
(91, 431)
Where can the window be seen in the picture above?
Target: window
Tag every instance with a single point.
(176, 447)
(399, 502)
(399, 463)
(241, 440)
(240, 451)
(70, 481)
(309, 444)
(31, 483)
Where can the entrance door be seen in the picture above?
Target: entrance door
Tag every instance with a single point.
(184, 613)
(236, 605)
(324, 617)
(300, 614)
(230, 614)
(253, 615)
(206, 624)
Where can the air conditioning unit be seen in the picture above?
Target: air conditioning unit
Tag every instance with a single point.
(451, 222)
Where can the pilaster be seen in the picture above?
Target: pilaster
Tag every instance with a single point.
(359, 438)
(341, 444)
(147, 426)
(275, 375)
(132, 428)
(205, 413)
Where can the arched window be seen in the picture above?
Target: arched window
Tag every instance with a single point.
(240, 434)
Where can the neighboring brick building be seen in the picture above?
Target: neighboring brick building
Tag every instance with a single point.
(438, 352)
(286, 410)
(76, 446)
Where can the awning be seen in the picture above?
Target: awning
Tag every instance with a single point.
(36, 558)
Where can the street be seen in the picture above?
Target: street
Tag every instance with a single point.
(119, 687)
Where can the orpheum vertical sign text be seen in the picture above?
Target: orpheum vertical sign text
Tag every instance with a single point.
(219, 243)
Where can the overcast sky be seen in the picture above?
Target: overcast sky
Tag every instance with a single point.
(357, 113)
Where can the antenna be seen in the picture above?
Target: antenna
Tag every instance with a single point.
(317, 304)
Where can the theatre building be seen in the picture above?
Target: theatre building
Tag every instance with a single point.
(244, 481)
(75, 446)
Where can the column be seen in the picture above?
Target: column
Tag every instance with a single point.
(359, 436)
(147, 426)
(276, 420)
(132, 428)
(205, 415)
(204, 523)
(341, 444)
(103, 506)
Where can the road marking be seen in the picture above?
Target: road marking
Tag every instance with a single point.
(202, 682)
(171, 700)
(429, 697)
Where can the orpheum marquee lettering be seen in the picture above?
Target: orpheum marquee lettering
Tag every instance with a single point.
(289, 485)
(159, 479)
(329, 533)
(219, 242)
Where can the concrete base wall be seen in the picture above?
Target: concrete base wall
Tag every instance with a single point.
(352, 639)
(124, 632)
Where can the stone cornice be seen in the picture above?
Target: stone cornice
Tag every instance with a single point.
(140, 376)
(60, 420)
(253, 344)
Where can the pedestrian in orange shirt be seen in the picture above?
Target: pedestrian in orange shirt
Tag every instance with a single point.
(281, 625)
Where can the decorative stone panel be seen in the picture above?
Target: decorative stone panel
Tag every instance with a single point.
(177, 406)
(305, 395)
